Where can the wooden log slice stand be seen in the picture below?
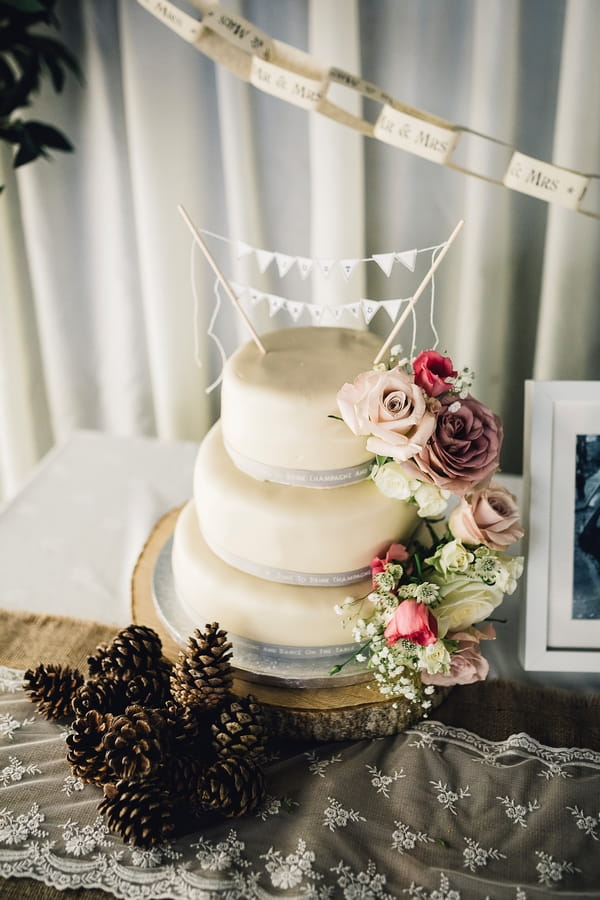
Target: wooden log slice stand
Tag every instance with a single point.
(308, 714)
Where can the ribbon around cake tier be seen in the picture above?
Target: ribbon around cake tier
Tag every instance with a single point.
(311, 478)
(288, 576)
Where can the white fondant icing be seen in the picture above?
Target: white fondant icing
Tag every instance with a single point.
(276, 415)
(275, 406)
(292, 528)
(262, 611)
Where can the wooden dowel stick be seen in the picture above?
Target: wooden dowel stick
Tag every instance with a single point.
(417, 294)
(228, 289)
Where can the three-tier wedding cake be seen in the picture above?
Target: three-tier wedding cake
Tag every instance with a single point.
(284, 521)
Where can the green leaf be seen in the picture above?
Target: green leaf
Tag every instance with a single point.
(27, 6)
(47, 136)
(28, 150)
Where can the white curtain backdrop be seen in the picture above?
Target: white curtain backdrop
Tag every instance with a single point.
(98, 326)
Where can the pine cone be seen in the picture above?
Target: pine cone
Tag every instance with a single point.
(239, 729)
(95, 661)
(233, 787)
(150, 688)
(133, 744)
(101, 694)
(183, 775)
(188, 731)
(202, 676)
(135, 649)
(52, 688)
(85, 748)
(140, 811)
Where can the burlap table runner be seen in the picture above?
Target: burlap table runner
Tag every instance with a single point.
(491, 709)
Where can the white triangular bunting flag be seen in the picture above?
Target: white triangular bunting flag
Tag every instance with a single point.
(354, 308)
(336, 311)
(347, 266)
(284, 263)
(385, 261)
(264, 259)
(275, 303)
(369, 308)
(255, 296)
(408, 258)
(304, 265)
(316, 313)
(391, 307)
(294, 307)
(326, 266)
(243, 249)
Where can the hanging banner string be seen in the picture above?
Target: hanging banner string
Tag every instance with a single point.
(292, 75)
(285, 262)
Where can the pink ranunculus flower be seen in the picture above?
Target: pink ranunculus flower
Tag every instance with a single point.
(432, 371)
(467, 665)
(411, 621)
(395, 553)
(391, 408)
(489, 517)
(464, 450)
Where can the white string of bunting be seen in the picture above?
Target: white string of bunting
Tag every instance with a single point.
(290, 74)
(305, 265)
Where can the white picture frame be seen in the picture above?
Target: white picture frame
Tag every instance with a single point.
(561, 613)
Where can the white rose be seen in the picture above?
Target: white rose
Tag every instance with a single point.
(464, 602)
(434, 658)
(511, 569)
(431, 499)
(392, 480)
(454, 557)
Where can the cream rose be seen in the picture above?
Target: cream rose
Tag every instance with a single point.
(391, 408)
(489, 517)
(432, 500)
(467, 665)
(464, 602)
(392, 481)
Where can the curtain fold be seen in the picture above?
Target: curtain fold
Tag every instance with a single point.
(100, 324)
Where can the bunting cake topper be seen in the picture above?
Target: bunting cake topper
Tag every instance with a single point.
(240, 294)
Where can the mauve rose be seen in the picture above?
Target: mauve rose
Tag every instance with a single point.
(411, 621)
(467, 665)
(489, 517)
(464, 450)
(431, 371)
(391, 408)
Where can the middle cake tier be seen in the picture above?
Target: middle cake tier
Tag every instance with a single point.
(293, 535)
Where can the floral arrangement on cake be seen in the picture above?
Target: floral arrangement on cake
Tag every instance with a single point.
(431, 602)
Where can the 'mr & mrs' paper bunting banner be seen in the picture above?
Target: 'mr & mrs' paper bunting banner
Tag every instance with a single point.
(292, 75)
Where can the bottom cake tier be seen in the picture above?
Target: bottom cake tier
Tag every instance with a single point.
(296, 709)
(282, 632)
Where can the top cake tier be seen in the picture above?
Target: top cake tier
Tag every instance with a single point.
(276, 406)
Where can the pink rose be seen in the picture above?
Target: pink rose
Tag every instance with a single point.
(489, 517)
(464, 449)
(395, 553)
(467, 665)
(391, 408)
(411, 621)
(432, 371)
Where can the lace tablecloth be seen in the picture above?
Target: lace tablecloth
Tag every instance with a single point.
(436, 813)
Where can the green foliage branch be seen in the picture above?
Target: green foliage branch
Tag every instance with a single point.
(27, 58)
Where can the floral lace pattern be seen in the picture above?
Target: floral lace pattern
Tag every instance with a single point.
(435, 813)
